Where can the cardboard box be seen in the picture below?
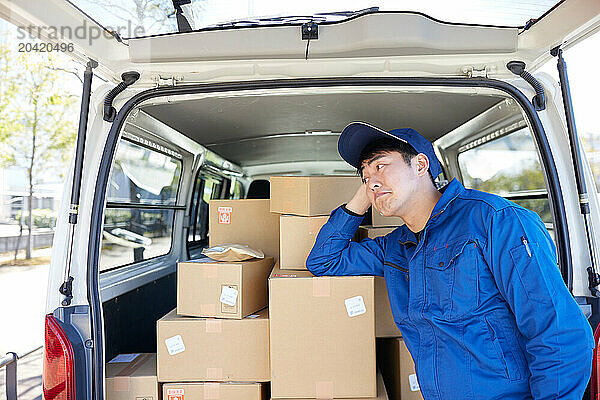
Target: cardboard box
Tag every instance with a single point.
(378, 220)
(297, 237)
(381, 391)
(207, 288)
(384, 319)
(246, 221)
(132, 376)
(215, 390)
(398, 370)
(311, 195)
(322, 335)
(372, 232)
(206, 349)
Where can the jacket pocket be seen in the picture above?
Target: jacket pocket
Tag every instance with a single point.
(529, 271)
(397, 285)
(505, 353)
(451, 278)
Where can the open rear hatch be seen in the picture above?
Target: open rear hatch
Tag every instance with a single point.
(370, 42)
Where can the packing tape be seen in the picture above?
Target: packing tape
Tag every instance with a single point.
(121, 383)
(123, 378)
(212, 390)
(324, 390)
(208, 309)
(210, 272)
(321, 286)
(214, 374)
(214, 325)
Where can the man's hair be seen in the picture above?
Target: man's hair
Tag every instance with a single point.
(387, 145)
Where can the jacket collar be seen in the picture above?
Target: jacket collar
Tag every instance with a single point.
(449, 192)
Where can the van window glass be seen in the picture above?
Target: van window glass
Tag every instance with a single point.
(142, 193)
(510, 167)
(584, 86)
(141, 175)
(135, 18)
(206, 188)
(237, 191)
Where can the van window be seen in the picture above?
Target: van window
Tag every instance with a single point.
(237, 191)
(508, 166)
(206, 187)
(141, 195)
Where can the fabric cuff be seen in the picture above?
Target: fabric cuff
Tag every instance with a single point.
(351, 212)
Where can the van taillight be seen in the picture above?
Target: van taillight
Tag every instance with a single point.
(595, 386)
(59, 376)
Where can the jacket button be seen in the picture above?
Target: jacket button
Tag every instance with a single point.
(441, 263)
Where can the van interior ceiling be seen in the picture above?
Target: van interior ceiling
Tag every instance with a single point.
(296, 132)
(290, 132)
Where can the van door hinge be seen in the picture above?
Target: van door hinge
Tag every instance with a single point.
(167, 81)
(475, 72)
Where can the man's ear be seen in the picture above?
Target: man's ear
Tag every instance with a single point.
(421, 164)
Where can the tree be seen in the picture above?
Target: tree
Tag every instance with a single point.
(38, 127)
(152, 15)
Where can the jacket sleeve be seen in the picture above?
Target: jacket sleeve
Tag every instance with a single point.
(335, 254)
(559, 341)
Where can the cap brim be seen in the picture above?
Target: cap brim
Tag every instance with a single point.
(355, 136)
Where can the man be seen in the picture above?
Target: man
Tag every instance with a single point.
(472, 278)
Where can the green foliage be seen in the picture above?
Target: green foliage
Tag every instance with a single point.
(38, 116)
(42, 218)
(527, 179)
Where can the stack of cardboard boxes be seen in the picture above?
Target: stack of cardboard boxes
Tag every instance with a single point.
(395, 361)
(322, 328)
(215, 345)
(316, 339)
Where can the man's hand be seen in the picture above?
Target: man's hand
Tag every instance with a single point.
(360, 202)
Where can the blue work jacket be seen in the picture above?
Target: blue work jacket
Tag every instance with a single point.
(479, 298)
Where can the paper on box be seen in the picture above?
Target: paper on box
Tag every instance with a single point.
(222, 289)
(318, 350)
(210, 349)
(311, 195)
(133, 379)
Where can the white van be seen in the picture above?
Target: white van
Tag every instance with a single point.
(189, 116)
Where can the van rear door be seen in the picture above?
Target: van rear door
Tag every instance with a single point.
(408, 43)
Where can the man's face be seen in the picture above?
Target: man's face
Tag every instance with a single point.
(390, 182)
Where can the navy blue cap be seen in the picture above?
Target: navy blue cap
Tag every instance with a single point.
(357, 135)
